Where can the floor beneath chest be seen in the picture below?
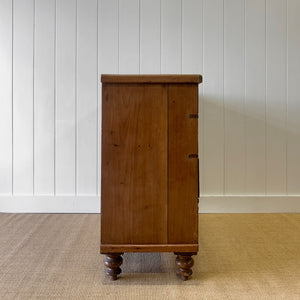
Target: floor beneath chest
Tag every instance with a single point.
(241, 256)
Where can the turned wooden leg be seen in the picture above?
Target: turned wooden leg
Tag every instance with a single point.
(184, 263)
(113, 261)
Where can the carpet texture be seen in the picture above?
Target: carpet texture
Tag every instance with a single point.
(242, 256)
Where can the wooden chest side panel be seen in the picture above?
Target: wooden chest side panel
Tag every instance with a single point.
(134, 164)
(183, 170)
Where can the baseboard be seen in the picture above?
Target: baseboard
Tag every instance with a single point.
(249, 204)
(50, 204)
(207, 204)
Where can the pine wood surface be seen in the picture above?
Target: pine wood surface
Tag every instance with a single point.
(111, 78)
(183, 170)
(134, 164)
(149, 194)
(116, 248)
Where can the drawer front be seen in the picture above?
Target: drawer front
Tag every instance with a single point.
(183, 163)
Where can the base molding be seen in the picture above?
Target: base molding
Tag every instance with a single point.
(249, 204)
(50, 204)
(207, 204)
(116, 248)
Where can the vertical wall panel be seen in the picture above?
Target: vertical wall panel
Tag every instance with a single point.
(87, 76)
(108, 55)
(150, 36)
(23, 42)
(108, 36)
(171, 36)
(65, 97)
(213, 118)
(6, 96)
(276, 97)
(192, 57)
(234, 94)
(192, 36)
(293, 121)
(255, 93)
(44, 66)
(129, 36)
(53, 52)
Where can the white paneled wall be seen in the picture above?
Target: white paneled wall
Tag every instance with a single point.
(6, 97)
(276, 98)
(86, 98)
(44, 97)
(65, 104)
(23, 46)
(52, 53)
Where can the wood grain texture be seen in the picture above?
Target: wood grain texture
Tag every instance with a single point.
(134, 164)
(109, 248)
(108, 78)
(183, 171)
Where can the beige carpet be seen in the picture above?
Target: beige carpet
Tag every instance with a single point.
(242, 256)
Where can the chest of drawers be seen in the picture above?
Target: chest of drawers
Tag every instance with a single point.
(149, 170)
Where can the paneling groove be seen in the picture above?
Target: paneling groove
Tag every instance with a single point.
(213, 106)
(129, 54)
(65, 107)
(44, 97)
(171, 36)
(276, 100)
(23, 47)
(150, 36)
(234, 97)
(6, 61)
(53, 52)
(86, 97)
(293, 108)
(255, 96)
